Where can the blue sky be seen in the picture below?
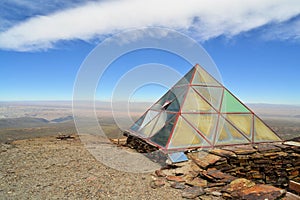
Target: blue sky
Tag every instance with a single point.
(256, 46)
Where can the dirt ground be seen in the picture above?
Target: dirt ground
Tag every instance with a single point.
(47, 168)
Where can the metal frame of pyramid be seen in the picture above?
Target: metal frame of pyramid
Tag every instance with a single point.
(199, 112)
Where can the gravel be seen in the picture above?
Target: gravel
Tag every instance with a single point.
(47, 168)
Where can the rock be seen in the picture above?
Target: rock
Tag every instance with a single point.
(160, 173)
(241, 149)
(223, 153)
(169, 172)
(291, 196)
(261, 192)
(266, 148)
(184, 169)
(197, 182)
(157, 183)
(216, 184)
(204, 159)
(220, 176)
(175, 178)
(192, 192)
(177, 185)
(216, 193)
(238, 184)
(210, 197)
(294, 186)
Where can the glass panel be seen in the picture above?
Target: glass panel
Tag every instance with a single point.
(158, 105)
(162, 136)
(201, 77)
(262, 133)
(149, 116)
(147, 129)
(137, 124)
(186, 79)
(227, 134)
(231, 104)
(195, 103)
(243, 122)
(185, 136)
(205, 123)
(179, 93)
(161, 121)
(211, 94)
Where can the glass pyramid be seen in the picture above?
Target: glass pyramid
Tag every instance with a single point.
(199, 112)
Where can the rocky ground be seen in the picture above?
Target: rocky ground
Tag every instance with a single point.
(48, 168)
(59, 167)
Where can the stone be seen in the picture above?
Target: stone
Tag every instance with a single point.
(223, 153)
(216, 193)
(210, 185)
(292, 143)
(261, 192)
(294, 186)
(169, 172)
(238, 184)
(241, 149)
(192, 192)
(177, 185)
(264, 148)
(175, 178)
(204, 159)
(220, 176)
(160, 173)
(157, 183)
(197, 182)
(291, 196)
(210, 197)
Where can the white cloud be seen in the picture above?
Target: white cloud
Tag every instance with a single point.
(207, 19)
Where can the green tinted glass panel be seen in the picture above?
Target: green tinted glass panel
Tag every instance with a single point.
(231, 104)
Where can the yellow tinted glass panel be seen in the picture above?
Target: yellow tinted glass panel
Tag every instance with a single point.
(227, 134)
(262, 133)
(205, 123)
(185, 136)
(212, 94)
(195, 103)
(242, 122)
(201, 77)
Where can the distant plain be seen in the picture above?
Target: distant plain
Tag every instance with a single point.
(21, 120)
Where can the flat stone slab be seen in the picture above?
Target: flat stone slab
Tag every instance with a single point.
(204, 159)
(267, 148)
(223, 153)
(261, 192)
(241, 149)
(192, 192)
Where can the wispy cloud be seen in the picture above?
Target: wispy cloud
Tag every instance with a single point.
(203, 19)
